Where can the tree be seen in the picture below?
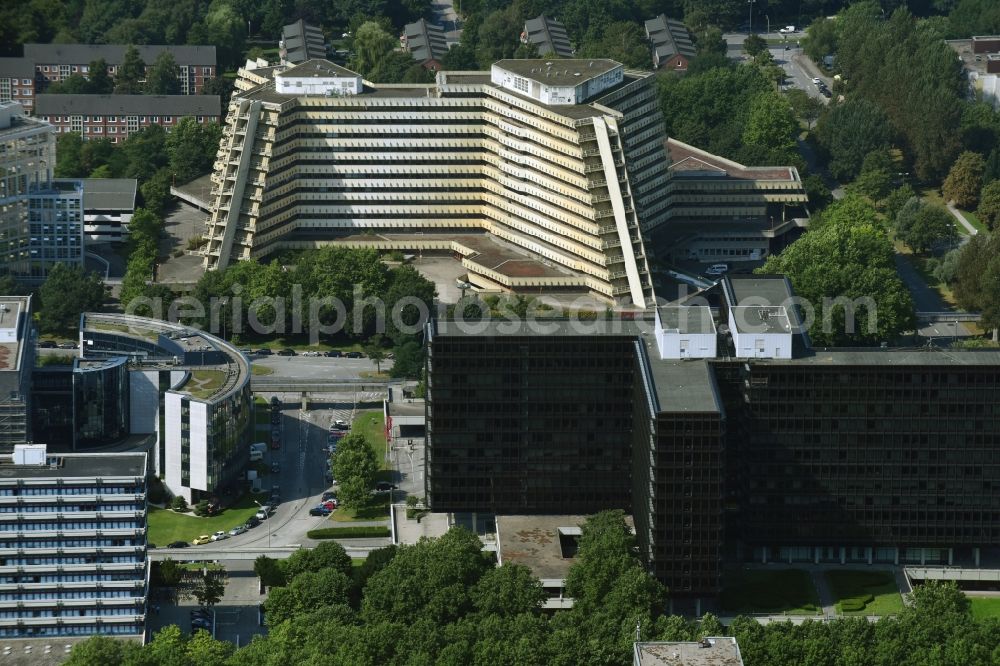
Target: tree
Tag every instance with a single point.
(99, 81)
(877, 175)
(410, 299)
(933, 225)
(309, 591)
(128, 80)
(965, 180)
(372, 45)
(805, 106)
(624, 41)
(895, 200)
(169, 572)
(327, 555)
(821, 39)
(377, 560)
(162, 77)
(269, 571)
(460, 58)
(977, 280)
(409, 360)
(850, 131)
(376, 352)
(209, 589)
(76, 84)
(497, 39)
(354, 466)
(102, 650)
(989, 205)
(69, 156)
(66, 293)
(507, 590)
(754, 45)
(191, 148)
(204, 650)
(846, 254)
(771, 123)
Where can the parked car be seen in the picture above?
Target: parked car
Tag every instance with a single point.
(787, 29)
(47, 344)
(275, 401)
(239, 529)
(310, 353)
(246, 350)
(67, 345)
(330, 504)
(319, 511)
(333, 353)
(817, 80)
(275, 418)
(354, 354)
(252, 522)
(260, 516)
(263, 351)
(385, 486)
(717, 269)
(275, 467)
(341, 425)
(286, 352)
(178, 544)
(203, 539)
(328, 495)
(220, 535)
(826, 93)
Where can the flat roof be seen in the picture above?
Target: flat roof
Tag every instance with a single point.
(317, 67)
(712, 651)
(560, 72)
(539, 327)
(686, 160)
(761, 319)
(128, 105)
(109, 193)
(687, 318)
(534, 542)
(70, 465)
(415, 408)
(916, 357)
(760, 289)
(11, 310)
(682, 385)
(48, 651)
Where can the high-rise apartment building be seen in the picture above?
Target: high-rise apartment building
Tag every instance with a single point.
(41, 221)
(17, 359)
(729, 442)
(72, 544)
(563, 159)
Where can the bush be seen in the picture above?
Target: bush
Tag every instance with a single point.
(349, 533)
(854, 604)
(201, 508)
(178, 503)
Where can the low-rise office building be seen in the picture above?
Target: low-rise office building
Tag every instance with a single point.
(189, 387)
(108, 205)
(58, 62)
(770, 450)
(425, 42)
(300, 42)
(72, 544)
(709, 651)
(114, 117)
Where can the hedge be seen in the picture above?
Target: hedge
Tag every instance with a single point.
(349, 533)
(852, 604)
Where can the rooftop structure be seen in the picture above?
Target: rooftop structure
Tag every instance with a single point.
(548, 36)
(300, 42)
(425, 42)
(572, 205)
(672, 45)
(710, 651)
(558, 82)
(980, 56)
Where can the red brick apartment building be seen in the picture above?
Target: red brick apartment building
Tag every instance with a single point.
(115, 116)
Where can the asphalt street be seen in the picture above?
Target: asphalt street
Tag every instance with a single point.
(317, 367)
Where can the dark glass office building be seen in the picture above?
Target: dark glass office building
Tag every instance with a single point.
(814, 456)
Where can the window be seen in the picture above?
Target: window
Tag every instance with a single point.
(25, 82)
(206, 71)
(45, 69)
(112, 130)
(98, 130)
(75, 68)
(201, 119)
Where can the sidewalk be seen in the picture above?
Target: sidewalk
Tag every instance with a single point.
(961, 218)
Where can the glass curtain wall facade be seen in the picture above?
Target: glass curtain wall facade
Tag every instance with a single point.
(100, 402)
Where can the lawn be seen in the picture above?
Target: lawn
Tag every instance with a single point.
(372, 426)
(298, 343)
(260, 370)
(984, 607)
(205, 383)
(377, 508)
(974, 221)
(874, 592)
(166, 526)
(784, 591)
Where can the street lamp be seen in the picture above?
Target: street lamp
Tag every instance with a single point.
(268, 519)
(750, 2)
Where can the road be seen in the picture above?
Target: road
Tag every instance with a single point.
(799, 69)
(444, 15)
(321, 367)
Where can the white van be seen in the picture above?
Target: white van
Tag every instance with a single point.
(255, 455)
